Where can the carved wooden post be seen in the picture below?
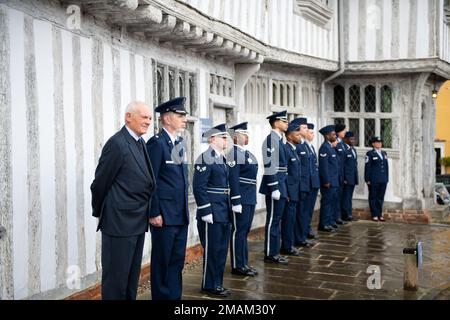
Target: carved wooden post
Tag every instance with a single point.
(411, 270)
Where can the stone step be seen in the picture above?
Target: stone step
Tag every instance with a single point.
(440, 214)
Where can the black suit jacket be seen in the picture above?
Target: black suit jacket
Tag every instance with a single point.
(123, 187)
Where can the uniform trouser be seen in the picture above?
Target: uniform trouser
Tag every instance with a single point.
(302, 218)
(311, 204)
(338, 206)
(327, 206)
(288, 224)
(121, 266)
(275, 210)
(376, 198)
(240, 228)
(347, 195)
(214, 239)
(168, 252)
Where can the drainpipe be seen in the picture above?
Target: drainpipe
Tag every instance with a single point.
(341, 63)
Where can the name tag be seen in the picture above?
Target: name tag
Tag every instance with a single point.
(293, 159)
(339, 149)
(169, 162)
(349, 156)
(302, 152)
(375, 158)
(334, 156)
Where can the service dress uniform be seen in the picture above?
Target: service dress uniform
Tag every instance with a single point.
(274, 179)
(329, 174)
(377, 173)
(315, 182)
(212, 196)
(243, 168)
(168, 157)
(350, 178)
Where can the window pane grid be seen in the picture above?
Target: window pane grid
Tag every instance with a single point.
(370, 99)
(355, 99)
(369, 130)
(339, 99)
(353, 126)
(386, 99)
(386, 132)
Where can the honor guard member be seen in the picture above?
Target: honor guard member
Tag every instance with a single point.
(169, 212)
(243, 168)
(340, 150)
(302, 221)
(350, 175)
(273, 185)
(329, 178)
(293, 138)
(376, 175)
(211, 192)
(315, 179)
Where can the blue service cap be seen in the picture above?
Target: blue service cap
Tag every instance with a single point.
(311, 126)
(300, 121)
(220, 129)
(241, 127)
(293, 126)
(349, 134)
(339, 127)
(375, 139)
(278, 116)
(175, 105)
(327, 129)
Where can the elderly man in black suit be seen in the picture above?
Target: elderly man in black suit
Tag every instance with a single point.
(121, 194)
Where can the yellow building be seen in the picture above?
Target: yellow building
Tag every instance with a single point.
(442, 141)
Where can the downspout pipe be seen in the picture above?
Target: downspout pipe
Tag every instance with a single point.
(341, 63)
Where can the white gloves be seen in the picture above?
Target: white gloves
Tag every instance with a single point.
(208, 218)
(276, 195)
(237, 208)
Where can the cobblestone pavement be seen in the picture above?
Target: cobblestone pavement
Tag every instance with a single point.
(336, 267)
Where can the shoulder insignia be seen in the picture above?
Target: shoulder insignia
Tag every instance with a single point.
(231, 164)
(367, 159)
(250, 160)
(270, 150)
(323, 155)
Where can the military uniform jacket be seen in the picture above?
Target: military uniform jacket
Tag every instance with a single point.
(350, 165)
(171, 173)
(294, 172)
(243, 170)
(340, 150)
(304, 154)
(275, 165)
(376, 169)
(210, 186)
(328, 165)
(314, 165)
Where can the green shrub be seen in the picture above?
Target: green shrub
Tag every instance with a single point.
(445, 161)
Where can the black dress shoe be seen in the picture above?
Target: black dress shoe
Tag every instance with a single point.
(252, 269)
(305, 244)
(276, 259)
(243, 272)
(219, 291)
(334, 226)
(326, 229)
(312, 236)
(341, 222)
(225, 291)
(290, 252)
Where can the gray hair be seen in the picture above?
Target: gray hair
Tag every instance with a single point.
(131, 107)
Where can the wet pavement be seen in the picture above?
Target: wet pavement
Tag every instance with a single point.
(336, 267)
